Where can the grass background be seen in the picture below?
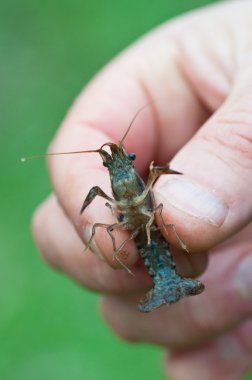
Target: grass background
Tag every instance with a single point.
(49, 327)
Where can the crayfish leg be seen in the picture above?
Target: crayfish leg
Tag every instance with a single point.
(172, 226)
(93, 192)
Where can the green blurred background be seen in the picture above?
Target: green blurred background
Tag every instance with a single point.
(50, 328)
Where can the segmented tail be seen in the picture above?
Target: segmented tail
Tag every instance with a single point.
(169, 286)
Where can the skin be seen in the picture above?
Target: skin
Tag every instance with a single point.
(197, 68)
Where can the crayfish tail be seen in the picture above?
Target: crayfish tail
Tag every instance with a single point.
(163, 294)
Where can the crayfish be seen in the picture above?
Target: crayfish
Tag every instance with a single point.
(135, 211)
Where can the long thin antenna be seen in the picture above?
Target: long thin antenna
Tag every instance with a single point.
(132, 121)
(23, 159)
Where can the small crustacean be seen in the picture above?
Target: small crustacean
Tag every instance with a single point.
(135, 211)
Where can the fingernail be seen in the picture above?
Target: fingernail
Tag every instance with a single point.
(193, 199)
(87, 233)
(243, 278)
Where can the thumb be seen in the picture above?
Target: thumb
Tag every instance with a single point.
(212, 200)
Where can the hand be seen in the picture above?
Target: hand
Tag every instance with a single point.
(197, 69)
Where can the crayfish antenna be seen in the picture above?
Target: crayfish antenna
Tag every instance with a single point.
(132, 121)
(23, 159)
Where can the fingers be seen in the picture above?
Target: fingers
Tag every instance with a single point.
(226, 302)
(227, 357)
(62, 248)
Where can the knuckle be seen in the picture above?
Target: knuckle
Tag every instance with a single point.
(231, 131)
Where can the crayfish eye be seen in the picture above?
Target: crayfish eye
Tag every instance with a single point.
(104, 164)
(132, 156)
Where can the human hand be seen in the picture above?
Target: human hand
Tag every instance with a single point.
(199, 67)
